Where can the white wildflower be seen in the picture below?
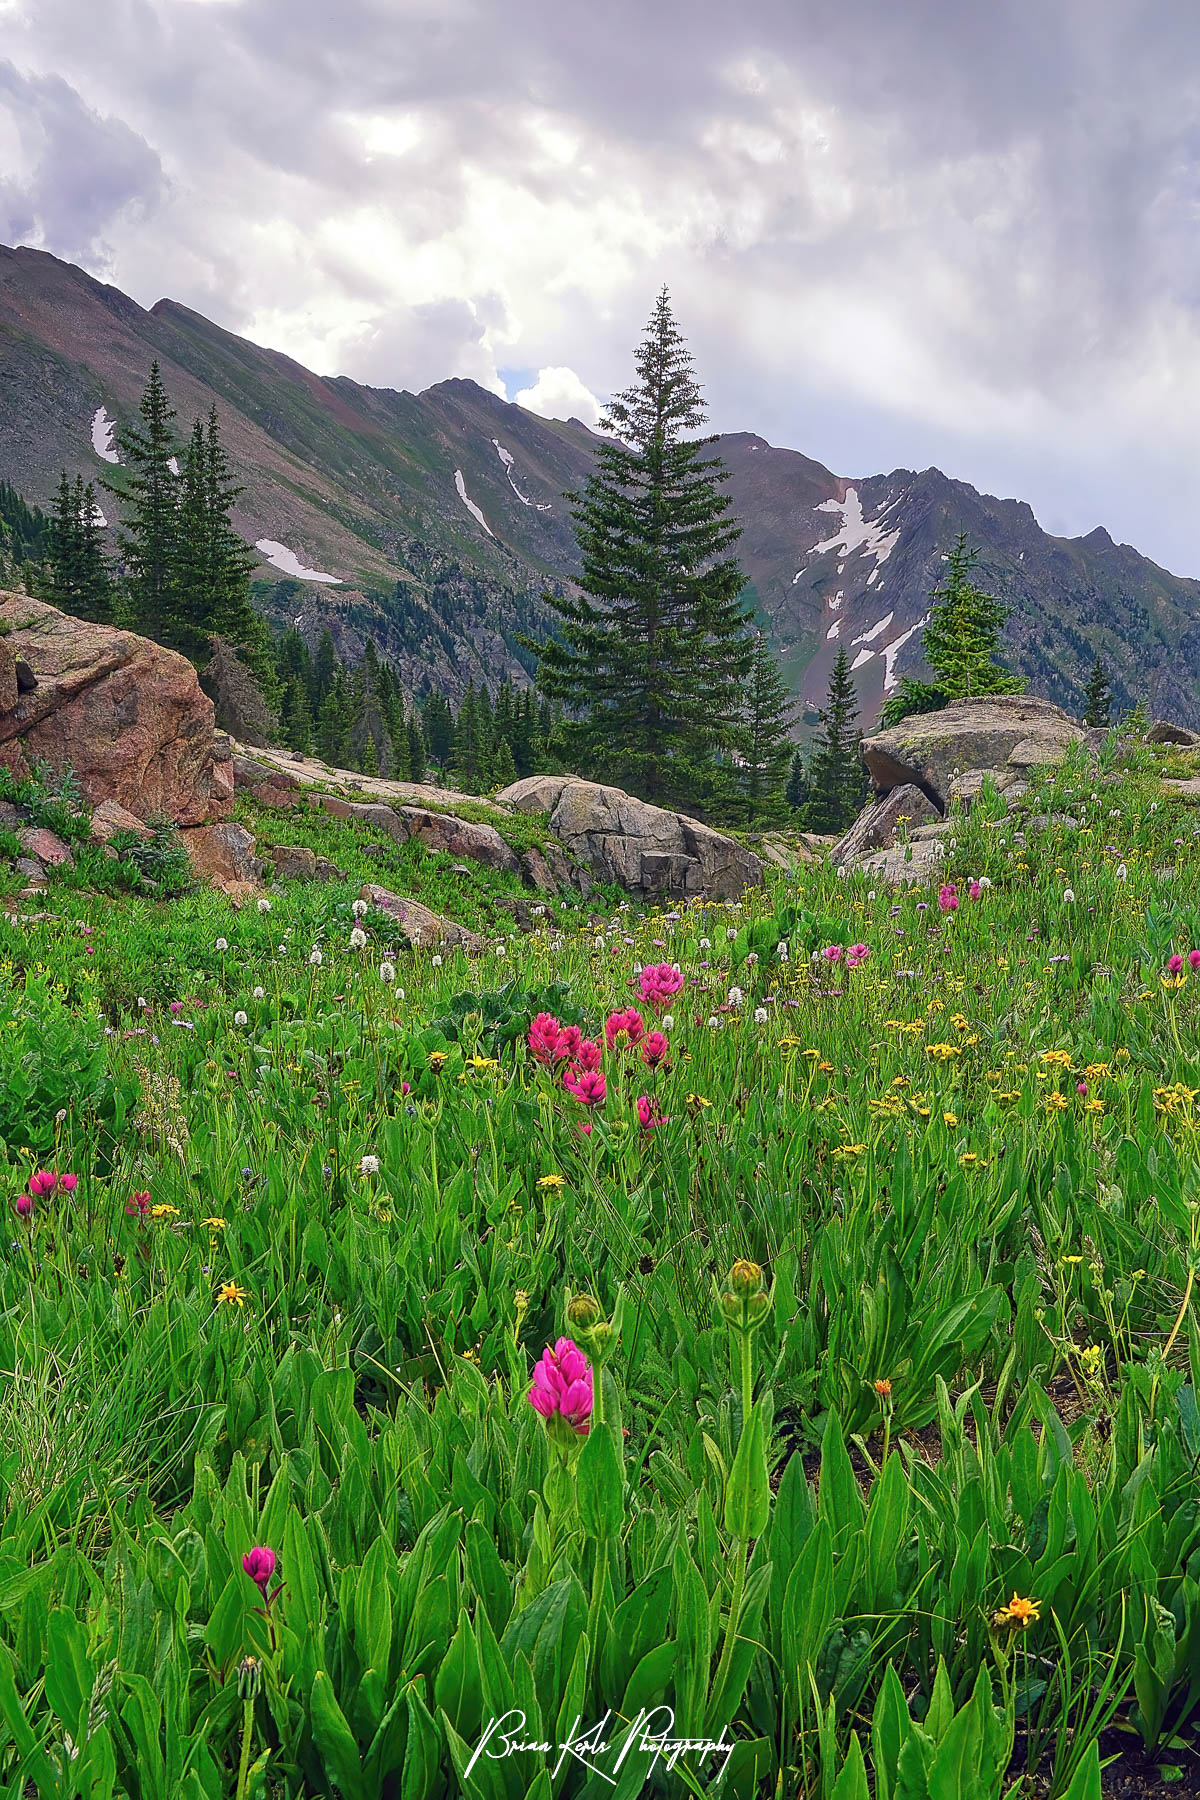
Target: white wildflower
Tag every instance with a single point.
(359, 908)
(436, 961)
(222, 943)
(369, 1165)
(704, 944)
(760, 1015)
(358, 938)
(264, 905)
(387, 972)
(316, 959)
(142, 1003)
(1122, 873)
(668, 1023)
(260, 993)
(736, 996)
(713, 1022)
(1069, 896)
(730, 933)
(240, 1018)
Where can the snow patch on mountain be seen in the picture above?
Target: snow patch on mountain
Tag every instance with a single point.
(102, 436)
(470, 505)
(836, 602)
(891, 652)
(98, 518)
(864, 656)
(856, 533)
(869, 636)
(506, 457)
(834, 631)
(173, 465)
(288, 563)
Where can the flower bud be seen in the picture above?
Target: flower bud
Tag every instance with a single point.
(583, 1312)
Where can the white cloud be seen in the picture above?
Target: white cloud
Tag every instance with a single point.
(559, 394)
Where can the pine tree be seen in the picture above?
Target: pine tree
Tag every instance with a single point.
(504, 767)
(1098, 699)
(960, 643)
(416, 748)
(836, 775)
(796, 792)
(295, 719)
(763, 744)
(148, 542)
(77, 577)
(653, 647)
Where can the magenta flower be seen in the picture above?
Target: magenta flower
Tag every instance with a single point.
(1175, 965)
(587, 1085)
(628, 1024)
(857, 953)
(569, 1039)
(832, 953)
(948, 898)
(1194, 959)
(562, 1386)
(176, 1007)
(659, 982)
(259, 1565)
(23, 1205)
(974, 891)
(68, 1183)
(655, 1049)
(44, 1182)
(588, 1054)
(648, 1113)
(1081, 1087)
(543, 1038)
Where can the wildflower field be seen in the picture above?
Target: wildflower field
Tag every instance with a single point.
(741, 1350)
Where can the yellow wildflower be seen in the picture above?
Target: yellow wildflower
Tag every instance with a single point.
(1018, 1612)
(230, 1294)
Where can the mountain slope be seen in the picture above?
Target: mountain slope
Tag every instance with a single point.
(434, 521)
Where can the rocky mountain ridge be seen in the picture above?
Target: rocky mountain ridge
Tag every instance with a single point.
(434, 521)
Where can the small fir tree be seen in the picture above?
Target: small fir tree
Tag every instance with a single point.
(836, 775)
(1098, 698)
(795, 793)
(148, 540)
(652, 646)
(764, 747)
(960, 644)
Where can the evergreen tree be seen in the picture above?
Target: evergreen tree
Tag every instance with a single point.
(504, 768)
(763, 741)
(77, 577)
(960, 643)
(437, 726)
(796, 792)
(149, 540)
(231, 561)
(653, 647)
(836, 776)
(470, 757)
(1098, 699)
(416, 748)
(295, 719)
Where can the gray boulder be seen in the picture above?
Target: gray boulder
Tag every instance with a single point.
(652, 852)
(876, 826)
(995, 731)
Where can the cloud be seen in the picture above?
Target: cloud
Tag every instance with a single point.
(71, 174)
(893, 235)
(559, 394)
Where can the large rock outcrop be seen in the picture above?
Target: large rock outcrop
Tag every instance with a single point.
(126, 715)
(652, 852)
(1011, 732)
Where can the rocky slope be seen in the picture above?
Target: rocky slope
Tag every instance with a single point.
(434, 521)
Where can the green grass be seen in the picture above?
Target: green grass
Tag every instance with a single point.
(961, 1363)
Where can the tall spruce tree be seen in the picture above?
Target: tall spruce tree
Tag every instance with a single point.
(1098, 699)
(960, 644)
(149, 540)
(652, 649)
(795, 794)
(77, 576)
(837, 779)
(764, 749)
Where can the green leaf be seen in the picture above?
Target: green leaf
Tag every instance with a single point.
(808, 1605)
(1085, 1783)
(748, 1491)
(458, 1686)
(334, 1739)
(599, 1484)
(851, 1784)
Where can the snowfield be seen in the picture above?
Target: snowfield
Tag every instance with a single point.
(856, 533)
(288, 563)
(102, 436)
(470, 505)
(507, 458)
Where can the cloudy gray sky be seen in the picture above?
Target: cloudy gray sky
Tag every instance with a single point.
(935, 232)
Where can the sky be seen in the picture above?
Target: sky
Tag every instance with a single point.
(894, 235)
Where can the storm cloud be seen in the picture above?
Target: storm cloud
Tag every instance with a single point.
(894, 235)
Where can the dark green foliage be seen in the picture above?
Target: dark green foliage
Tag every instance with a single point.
(1098, 699)
(764, 746)
(160, 859)
(795, 793)
(149, 538)
(960, 644)
(77, 577)
(653, 645)
(24, 530)
(837, 779)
